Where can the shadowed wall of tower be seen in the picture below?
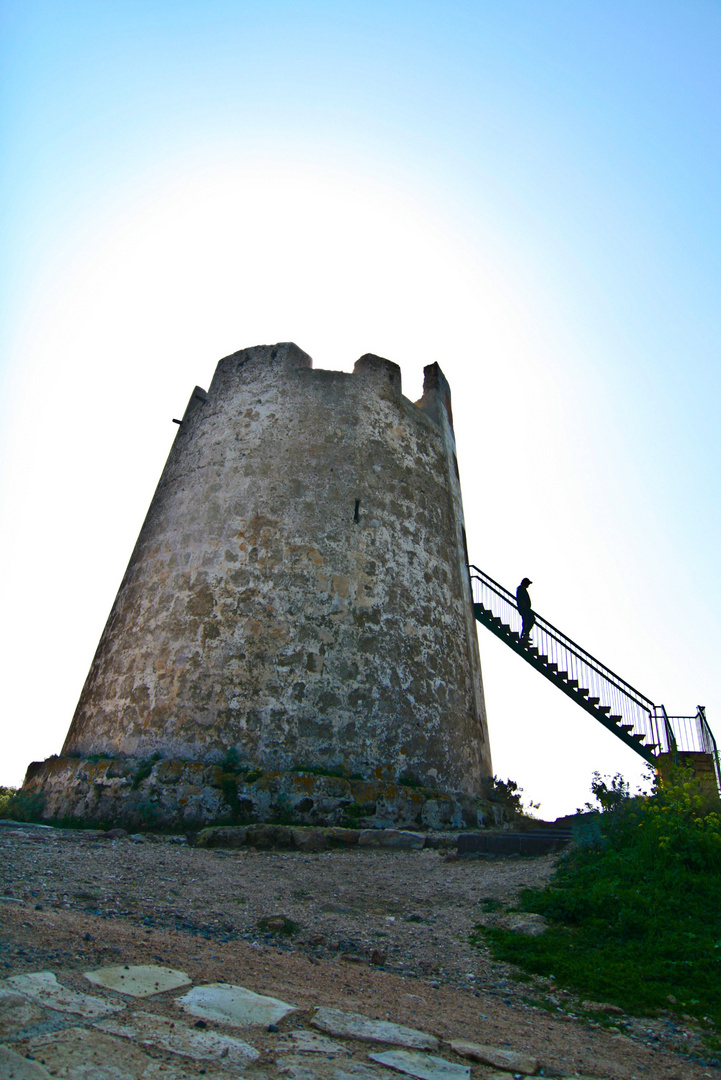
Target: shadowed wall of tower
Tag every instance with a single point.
(298, 592)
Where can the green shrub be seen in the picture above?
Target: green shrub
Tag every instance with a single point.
(507, 793)
(635, 909)
(19, 805)
(6, 795)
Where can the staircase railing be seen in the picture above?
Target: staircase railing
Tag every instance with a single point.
(615, 703)
(691, 734)
(620, 699)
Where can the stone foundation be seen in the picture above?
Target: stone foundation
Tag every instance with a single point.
(188, 795)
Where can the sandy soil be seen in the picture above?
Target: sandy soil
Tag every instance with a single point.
(73, 901)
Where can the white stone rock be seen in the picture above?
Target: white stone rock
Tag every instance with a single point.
(15, 1067)
(394, 838)
(177, 1038)
(81, 1054)
(139, 981)
(298, 1072)
(44, 989)
(354, 1070)
(310, 1042)
(355, 1026)
(497, 1056)
(17, 1011)
(423, 1066)
(233, 1005)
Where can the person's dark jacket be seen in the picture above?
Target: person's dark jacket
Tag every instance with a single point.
(523, 600)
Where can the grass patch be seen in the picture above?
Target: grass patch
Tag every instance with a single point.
(635, 914)
(489, 904)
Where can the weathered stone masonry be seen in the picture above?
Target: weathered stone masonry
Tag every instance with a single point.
(298, 594)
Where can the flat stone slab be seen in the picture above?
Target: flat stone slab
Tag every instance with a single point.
(176, 1037)
(233, 1005)
(310, 1042)
(295, 1071)
(139, 981)
(393, 838)
(82, 1054)
(324, 1069)
(17, 1012)
(15, 1067)
(356, 1026)
(44, 989)
(497, 1056)
(423, 1066)
(354, 1070)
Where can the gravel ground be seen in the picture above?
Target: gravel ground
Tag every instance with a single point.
(74, 901)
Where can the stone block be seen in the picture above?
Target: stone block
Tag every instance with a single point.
(496, 1056)
(234, 1005)
(356, 1026)
(173, 1036)
(392, 838)
(225, 836)
(422, 1066)
(44, 990)
(81, 1054)
(17, 1012)
(139, 981)
(15, 1067)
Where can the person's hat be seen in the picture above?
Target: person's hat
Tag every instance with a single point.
(526, 581)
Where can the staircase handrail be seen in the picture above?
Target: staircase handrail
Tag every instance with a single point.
(634, 718)
(568, 643)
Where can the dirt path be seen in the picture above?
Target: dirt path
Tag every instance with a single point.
(73, 902)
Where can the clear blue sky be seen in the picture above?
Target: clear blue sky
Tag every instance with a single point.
(527, 192)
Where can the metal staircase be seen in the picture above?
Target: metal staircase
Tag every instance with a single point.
(629, 714)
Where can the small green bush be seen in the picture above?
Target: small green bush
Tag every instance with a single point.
(506, 792)
(635, 909)
(6, 795)
(19, 805)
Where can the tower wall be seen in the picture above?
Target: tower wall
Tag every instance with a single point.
(298, 592)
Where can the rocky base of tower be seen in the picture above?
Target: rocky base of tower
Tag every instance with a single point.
(189, 795)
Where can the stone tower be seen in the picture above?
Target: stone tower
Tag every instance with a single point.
(297, 600)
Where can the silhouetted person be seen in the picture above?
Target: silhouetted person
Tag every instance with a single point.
(523, 602)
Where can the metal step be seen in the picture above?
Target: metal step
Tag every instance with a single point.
(593, 700)
(615, 719)
(604, 708)
(573, 683)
